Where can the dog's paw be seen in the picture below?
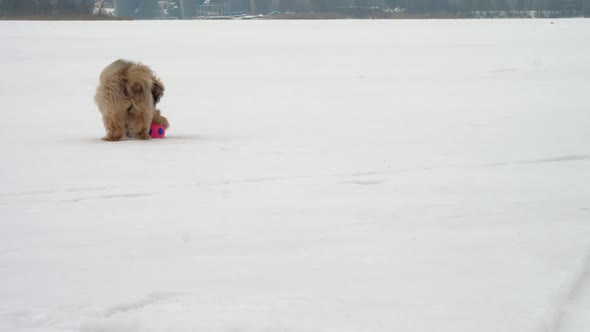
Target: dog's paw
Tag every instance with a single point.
(143, 135)
(160, 120)
(112, 138)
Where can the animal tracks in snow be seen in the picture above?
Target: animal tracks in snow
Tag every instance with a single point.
(73, 195)
(53, 192)
(152, 299)
(557, 159)
(569, 308)
(113, 196)
(365, 178)
(366, 182)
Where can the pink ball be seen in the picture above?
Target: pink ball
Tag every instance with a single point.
(157, 131)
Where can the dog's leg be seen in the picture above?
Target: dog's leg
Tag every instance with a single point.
(115, 127)
(141, 125)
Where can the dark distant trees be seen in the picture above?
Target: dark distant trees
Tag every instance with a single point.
(264, 6)
(483, 5)
(47, 6)
(267, 6)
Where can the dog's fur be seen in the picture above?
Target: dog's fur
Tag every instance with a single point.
(126, 96)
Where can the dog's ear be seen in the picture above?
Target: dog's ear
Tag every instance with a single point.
(157, 89)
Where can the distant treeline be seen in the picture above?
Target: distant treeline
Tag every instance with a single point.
(492, 5)
(85, 7)
(419, 5)
(47, 6)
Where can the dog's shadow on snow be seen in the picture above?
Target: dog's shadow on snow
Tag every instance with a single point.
(195, 138)
(170, 138)
(189, 138)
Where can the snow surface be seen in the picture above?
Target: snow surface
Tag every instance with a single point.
(319, 176)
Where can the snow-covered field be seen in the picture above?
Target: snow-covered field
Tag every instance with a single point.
(344, 176)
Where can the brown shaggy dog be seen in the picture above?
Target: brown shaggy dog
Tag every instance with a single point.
(126, 96)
